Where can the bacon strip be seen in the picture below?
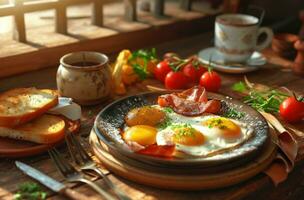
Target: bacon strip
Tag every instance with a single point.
(158, 151)
(191, 102)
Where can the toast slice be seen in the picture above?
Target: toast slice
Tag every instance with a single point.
(46, 129)
(21, 105)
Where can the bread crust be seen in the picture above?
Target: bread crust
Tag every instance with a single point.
(46, 129)
(19, 99)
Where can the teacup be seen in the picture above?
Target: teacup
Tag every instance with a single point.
(237, 37)
(84, 76)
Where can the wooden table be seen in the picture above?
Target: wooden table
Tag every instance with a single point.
(259, 187)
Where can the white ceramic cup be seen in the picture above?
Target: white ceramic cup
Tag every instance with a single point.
(237, 37)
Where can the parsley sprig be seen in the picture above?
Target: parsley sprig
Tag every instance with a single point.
(145, 54)
(239, 87)
(140, 71)
(140, 68)
(30, 191)
(267, 100)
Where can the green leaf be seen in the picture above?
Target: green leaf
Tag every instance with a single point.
(140, 71)
(153, 53)
(233, 113)
(145, 54)
(168, 110)
(165, 123)
(239, 87)
(30, 191)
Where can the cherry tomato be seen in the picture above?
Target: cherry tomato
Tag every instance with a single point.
(161, 70)
(201, 70)
(292, 110)
(194, 73)
(211, 81)
(190, 71)
(176, 80)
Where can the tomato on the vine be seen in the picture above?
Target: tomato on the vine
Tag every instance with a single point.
(190, 71)
(161, 70)
(292, 109)
(194, 72)
(211, 81)
(201, 70)
(176, 80)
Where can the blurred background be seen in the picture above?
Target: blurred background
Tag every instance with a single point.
(31, 26)
(277, 12)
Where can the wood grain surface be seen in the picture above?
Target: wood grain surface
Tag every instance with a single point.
(259, 187)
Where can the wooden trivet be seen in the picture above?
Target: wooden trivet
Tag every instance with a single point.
(164, 178)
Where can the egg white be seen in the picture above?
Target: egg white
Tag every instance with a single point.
(214, 142)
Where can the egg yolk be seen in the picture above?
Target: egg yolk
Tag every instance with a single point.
(146, 115)
(142, 134)
(188, 136)
(226, 128)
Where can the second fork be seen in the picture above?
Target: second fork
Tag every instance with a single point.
(85, 163)
(72, 175)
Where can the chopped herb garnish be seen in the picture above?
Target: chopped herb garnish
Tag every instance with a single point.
(183, 130)
(165, 123)
(90, 113)
(216, 122)
(30, 191)
(168, 110)
(233, 113)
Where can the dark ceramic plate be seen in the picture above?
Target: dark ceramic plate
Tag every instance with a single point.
(111, 118)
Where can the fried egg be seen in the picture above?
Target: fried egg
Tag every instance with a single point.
(203, 135)
(141, 134)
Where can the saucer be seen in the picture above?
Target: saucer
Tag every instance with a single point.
(253, 63)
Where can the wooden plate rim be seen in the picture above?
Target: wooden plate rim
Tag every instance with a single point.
(185, 182)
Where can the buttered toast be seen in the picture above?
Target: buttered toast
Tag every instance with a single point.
(46, 129)
(21, 105)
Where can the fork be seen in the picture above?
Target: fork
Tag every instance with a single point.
(72, 175)
(86, 164)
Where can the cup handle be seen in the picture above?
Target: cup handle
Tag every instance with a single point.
(269, 34)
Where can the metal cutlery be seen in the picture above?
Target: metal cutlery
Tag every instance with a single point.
(86, 164)
(72, 175)
(50, 182)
